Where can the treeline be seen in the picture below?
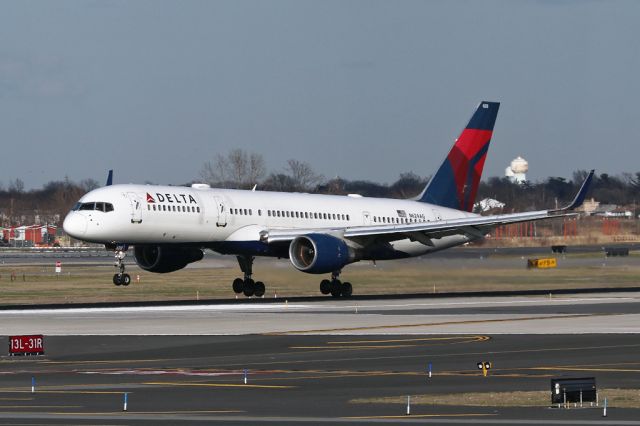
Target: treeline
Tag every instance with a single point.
(47, 205)
(243, 170)
(622, 190)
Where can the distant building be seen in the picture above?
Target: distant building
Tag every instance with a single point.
(488, 204)
(516, 172)
(589, 206)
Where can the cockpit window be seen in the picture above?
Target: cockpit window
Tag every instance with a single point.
(87, 206)
(99, 206)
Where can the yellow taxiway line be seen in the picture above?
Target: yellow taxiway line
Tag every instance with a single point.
(434, 324)
(219, 385)
(413, 416)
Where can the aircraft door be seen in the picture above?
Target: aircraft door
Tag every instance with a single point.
(222, 212)
(136, 207)
(366, 218)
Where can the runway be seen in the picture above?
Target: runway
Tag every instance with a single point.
(593, 313)
(309, 362)
(304, 379)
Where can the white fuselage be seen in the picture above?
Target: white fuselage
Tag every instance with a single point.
(149, 214)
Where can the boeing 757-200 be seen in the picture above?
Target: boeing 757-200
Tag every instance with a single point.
(169, 226)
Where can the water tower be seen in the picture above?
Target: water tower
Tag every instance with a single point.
(517, 170)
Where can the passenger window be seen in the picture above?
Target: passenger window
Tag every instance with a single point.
(250, 212)
(198, 209)
(154, 207)
(148, 206)
(347, 217)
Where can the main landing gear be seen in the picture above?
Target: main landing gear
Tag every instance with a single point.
(120, 278)
(335, 287)
(247, 285)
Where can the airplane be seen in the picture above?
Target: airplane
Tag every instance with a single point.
(170, 226)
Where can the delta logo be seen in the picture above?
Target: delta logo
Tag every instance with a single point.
(171, 198)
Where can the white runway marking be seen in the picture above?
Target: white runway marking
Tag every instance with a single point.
(348, 305)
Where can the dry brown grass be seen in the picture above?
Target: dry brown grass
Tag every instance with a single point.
(212, 279)
(617, 398)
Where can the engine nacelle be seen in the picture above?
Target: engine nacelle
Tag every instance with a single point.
(164, 259)
(319, 253)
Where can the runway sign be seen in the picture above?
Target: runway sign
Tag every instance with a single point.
(545, 263)
(26, 345)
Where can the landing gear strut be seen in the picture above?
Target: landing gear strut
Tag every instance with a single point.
(120, 278)
(247, 285)
(335, 287)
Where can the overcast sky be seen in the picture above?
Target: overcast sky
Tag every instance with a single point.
(359, 89)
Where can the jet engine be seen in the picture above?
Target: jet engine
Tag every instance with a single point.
(164, 259)
(319, 253)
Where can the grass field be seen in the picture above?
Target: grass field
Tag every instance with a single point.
(211, 278)
(616, 398)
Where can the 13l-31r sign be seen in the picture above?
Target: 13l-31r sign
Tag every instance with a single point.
(26, 345)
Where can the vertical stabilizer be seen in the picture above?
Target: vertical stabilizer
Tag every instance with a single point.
(455, 184)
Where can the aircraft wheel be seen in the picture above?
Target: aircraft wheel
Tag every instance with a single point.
(125, 280)
(249, 287)
(325, 286)
(347, 289)
(116, 279)
(260, 289)
(238, 285)
(336, 288)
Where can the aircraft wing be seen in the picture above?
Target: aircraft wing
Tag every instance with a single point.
(476, 226)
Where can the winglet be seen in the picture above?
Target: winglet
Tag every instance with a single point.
(109, 178)
(579, 198)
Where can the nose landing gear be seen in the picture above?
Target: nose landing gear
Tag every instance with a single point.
(120, 278)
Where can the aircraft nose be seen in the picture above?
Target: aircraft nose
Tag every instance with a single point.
(75, 225)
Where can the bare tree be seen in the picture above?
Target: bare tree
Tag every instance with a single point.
(238, 169)
(302, 175)
(89, 184)
(16, 186)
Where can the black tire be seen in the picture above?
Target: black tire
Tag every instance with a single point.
(347, 289)
(116, 279)
(325, 286)
(260, 289)
(238, 285)
(336, 288)
(249, 287)
(126, 279)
